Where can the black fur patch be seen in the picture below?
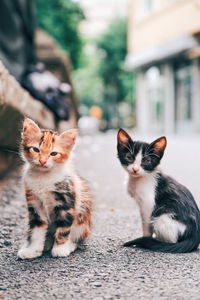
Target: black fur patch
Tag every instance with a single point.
(27, 149)
(41, 140)
(34, 218)
(66, 222)
(67, 199)
(64, 234)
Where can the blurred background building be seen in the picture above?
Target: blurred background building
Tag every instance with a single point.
(164, 50)
(136, 60)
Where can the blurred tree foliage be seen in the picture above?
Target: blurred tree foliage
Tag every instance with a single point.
(88, 83)
(117, 81)
(61, 18)
(104, 80)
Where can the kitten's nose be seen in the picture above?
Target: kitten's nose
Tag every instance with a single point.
(135, 169)
(42, 162)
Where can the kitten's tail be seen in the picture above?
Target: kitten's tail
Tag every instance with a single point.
(187, 245)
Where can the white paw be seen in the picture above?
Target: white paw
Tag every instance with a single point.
(28, 252)
(64, 249)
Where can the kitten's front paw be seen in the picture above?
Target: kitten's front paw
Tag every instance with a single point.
(28, 252)
(64, 249)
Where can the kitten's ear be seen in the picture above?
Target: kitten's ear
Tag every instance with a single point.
(123, 138)
(159, 146)
(30, 130)
(68, 137)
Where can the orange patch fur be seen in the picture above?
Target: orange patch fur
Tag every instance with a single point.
(60, 235)
(160, 144)
(29, 195)
(43, 225)
(45, 141)
(123, 137)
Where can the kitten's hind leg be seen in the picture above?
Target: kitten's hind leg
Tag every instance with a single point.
(63, 250)
(68, 239)
(167, 229)
(79, 233)
(81, 227)
(63, 244)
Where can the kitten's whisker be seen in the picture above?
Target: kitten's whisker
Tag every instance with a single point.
(133, 147)
(148, 151)
(128, 147)
(8, 150)
(151, 154)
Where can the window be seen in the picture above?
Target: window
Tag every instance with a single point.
(183, 97)
(154, 97)
(146, 7)
(183, 92)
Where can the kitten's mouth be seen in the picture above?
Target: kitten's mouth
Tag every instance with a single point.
(135, 174)
(42, 167)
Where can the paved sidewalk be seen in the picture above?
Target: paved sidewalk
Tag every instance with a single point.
(102, 269)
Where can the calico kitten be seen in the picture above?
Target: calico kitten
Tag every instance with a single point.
(59, 201)
(168, 209)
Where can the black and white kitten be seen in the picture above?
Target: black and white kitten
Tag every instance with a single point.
(168, 209)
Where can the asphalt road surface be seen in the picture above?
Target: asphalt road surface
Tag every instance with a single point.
(103, 269)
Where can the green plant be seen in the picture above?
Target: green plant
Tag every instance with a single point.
(118, 83)
(61, 18)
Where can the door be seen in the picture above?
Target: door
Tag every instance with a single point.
(183, 98)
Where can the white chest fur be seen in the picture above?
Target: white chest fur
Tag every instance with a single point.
(142, 189)
(42, 190)
(42, 184)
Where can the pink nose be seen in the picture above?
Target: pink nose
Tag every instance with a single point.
(135, 169)
(42, 162)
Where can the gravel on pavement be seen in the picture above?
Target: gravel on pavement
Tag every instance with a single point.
(102, 269)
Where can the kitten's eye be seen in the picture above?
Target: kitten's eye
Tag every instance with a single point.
(53, 153)
(147, 160)
(129, 157)
(36, 149)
